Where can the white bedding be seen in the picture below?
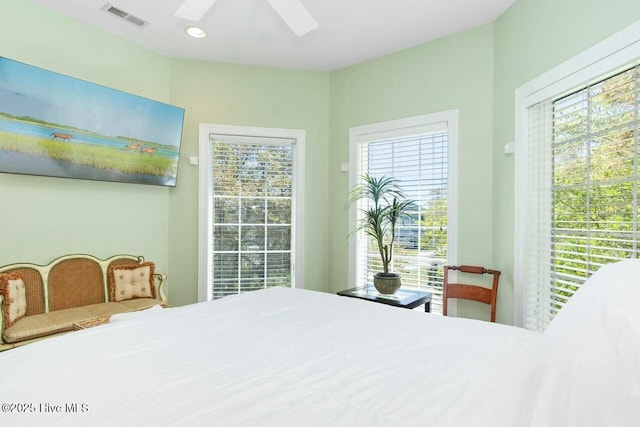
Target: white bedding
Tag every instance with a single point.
(278, 357)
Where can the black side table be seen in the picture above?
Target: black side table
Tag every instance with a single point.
(405, 298)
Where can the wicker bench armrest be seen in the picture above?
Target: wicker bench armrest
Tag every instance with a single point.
(161, 279)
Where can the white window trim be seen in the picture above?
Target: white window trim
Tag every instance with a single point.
(600, 60)
(204, 199)
(407, 127)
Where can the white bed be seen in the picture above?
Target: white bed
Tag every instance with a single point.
(288, 357)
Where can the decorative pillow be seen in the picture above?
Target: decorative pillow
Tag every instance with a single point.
(128, 281)
(14, 291)
(586, 370)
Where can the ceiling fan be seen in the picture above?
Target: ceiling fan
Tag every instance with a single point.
(292, 12)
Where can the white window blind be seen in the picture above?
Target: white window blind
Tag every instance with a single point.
(420, 163)
(252, 214)
(582, 190)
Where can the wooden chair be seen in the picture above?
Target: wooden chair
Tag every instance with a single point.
(472, 292)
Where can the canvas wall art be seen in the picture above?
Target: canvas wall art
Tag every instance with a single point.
(55, 125)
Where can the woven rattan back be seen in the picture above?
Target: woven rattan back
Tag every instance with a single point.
(75, 283)
(34, 291)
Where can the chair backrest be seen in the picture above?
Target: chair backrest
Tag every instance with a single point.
(468, 291)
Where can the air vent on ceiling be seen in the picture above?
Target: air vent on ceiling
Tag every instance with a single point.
(109, 8)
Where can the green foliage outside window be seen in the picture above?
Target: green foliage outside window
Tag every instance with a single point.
(595, 180)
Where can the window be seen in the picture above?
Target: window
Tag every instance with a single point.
(577, 181)
(420, 153)
(250, 209)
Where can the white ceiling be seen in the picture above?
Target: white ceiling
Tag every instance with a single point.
(250, 31)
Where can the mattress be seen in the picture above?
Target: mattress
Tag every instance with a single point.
(276, 357)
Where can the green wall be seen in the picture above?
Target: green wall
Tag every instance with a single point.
(531, 38)
(475, 72)
(43, 218)
(451, 73)
(249, 96)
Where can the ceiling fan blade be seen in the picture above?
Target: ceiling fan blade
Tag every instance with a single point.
(193, 10)
(295, 15)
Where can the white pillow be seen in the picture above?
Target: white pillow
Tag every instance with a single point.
(587, 368)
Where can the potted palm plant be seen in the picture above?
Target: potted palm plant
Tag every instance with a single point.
(382, 204)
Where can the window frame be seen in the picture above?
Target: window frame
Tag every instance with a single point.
(396, 129)
(205, 196)
(596, 63)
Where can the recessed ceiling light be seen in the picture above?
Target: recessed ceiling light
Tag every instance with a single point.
(196, 32)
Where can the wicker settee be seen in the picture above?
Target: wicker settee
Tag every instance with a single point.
(39, 301)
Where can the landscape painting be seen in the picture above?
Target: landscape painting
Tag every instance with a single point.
(56, 125)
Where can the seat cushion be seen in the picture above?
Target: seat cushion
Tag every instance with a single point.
(138, 304)
(41, 325)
